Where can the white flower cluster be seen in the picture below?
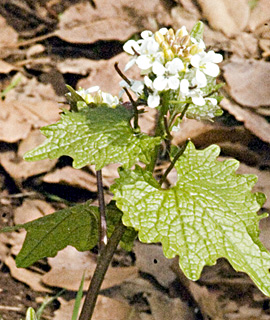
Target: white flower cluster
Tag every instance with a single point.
(95, 95)
(172, 61)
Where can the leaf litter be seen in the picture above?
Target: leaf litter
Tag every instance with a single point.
(239, 31)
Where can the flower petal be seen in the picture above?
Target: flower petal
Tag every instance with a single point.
(201, 79)
(129, 45)
(184, 86)
(195, 61)
(173, 82)
(153, 101)
(130, 63)
(144, 62)
(158, 68)
(212, 100)
(148, 82)
(146, 33)
(198, 100)
(175, 66)
(211, 69)
(160, 83)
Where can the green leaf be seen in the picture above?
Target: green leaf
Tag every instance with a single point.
(78, 300)
(96, 136)
(197, 31)
(75, 226)
(30, 314)
(209, 213)
(114, 216)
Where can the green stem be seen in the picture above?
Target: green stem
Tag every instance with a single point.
(176, 157)
(100, 271)
(159, 132)
(102, 212)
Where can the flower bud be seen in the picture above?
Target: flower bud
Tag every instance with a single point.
(194, 49)
(169, 55)
(171, 33)
(159, 37)
(185, 40)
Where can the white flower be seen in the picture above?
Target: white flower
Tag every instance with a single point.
(167, 77)
(86, 93)
(135, 85)
(153, 99)
(205, 63)
(109, 99)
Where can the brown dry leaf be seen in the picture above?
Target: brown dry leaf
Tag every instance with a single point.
(19, 169)
(265, 46)
(264, 235)
(182, 17)
(104, 75)
(263, 183)
(106, 309)
(69, 264)
(164, 308)
(259, 15)
(81, 23)
(6, 67)
(228, 16)
(29, 277)
(81, 66)
(252, 121)
(8, 35)
(248, 81)
(13, 126)
(31, 210)
(150, 259)
(208, 301)
(245, 45)
(190, 129)
(73, 177)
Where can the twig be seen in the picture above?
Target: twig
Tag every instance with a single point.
(100, 271)
(176, 157)
(184, 111)
(167, 130)
(135, 109)
(121, 74)
(102, 212)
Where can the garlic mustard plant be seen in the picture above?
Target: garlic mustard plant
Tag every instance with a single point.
(209, 213)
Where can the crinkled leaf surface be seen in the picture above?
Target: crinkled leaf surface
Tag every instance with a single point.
(197, 31)
(98, 136)
(209, 213)
(75, 226)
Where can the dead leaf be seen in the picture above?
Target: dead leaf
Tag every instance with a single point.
(81, 66)
(263, 183)
(190, 129)
(13, 126)
(259, 15)
(165, 308)
(228, 16)
(31, 210)
(109, 173)
(65, 273)
(150, 259)
(81, 23)
(104, 75)
(252, 121)
(182, 17)
(73, 177)
(264, 234)
(18, 168)
(8, 35)
(207, 301)
(31, 278)
(6, 67)
(248, 81)
(106, 308)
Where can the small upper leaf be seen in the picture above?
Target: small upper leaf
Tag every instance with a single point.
(209, 213)
(99, 136)
(197, 31)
